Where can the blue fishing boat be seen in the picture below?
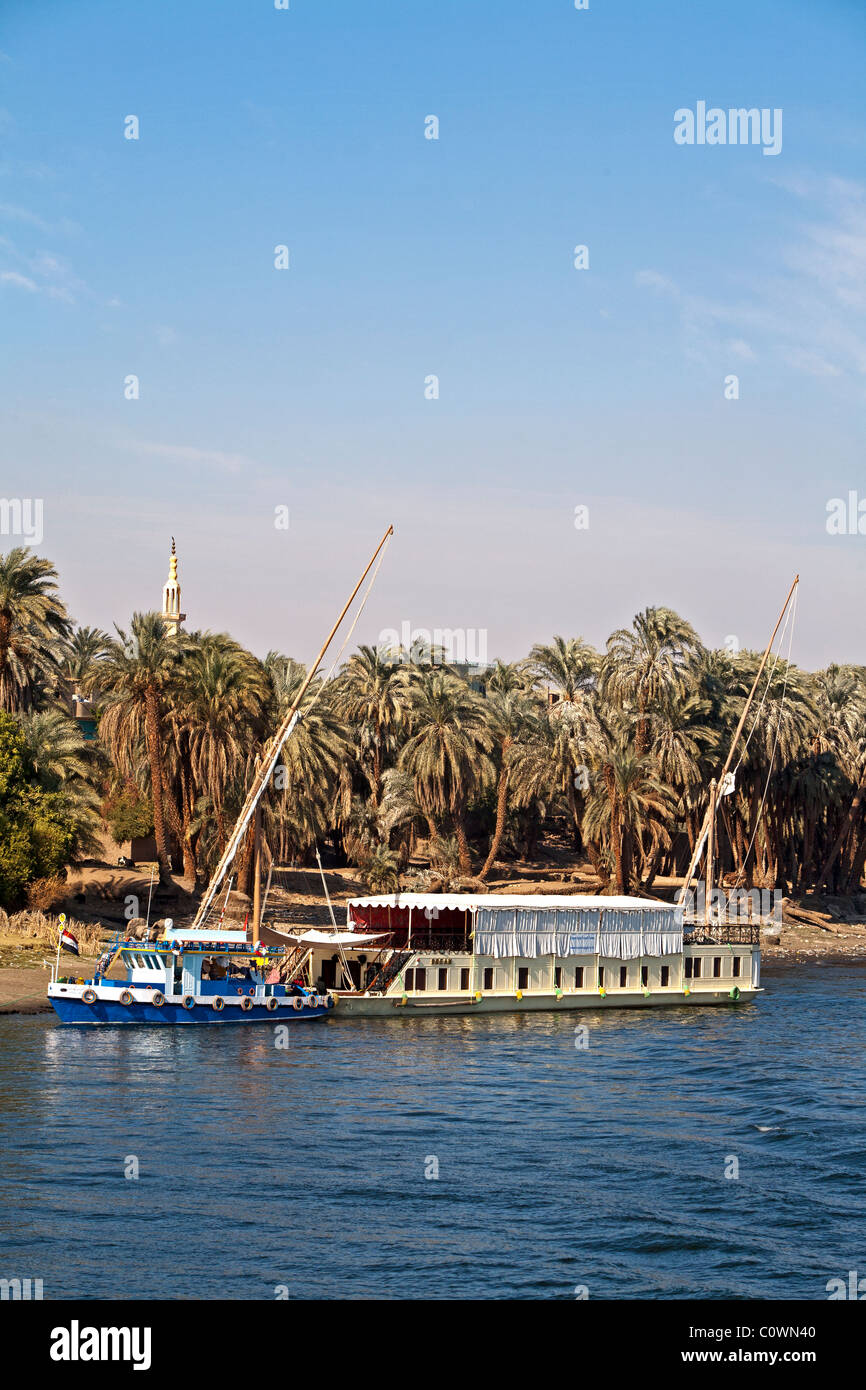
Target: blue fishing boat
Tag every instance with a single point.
(207, 974)
(189, 977)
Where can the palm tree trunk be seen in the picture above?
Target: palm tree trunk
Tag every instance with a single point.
(154, 757)
(843, 833)
(501, 809)
(462, 843)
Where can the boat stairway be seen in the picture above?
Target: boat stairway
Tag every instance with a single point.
(392, 967)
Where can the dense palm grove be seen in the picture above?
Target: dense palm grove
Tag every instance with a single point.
(608, 754)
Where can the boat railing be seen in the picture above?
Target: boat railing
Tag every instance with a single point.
(721, 933)
(440, 942)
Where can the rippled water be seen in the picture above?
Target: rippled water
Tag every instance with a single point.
(558, 1167)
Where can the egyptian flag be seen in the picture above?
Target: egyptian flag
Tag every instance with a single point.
(68, 942)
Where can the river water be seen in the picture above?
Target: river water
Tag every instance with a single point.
(688, 1152)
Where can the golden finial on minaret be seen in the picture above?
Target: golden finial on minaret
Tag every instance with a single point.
(171, 614)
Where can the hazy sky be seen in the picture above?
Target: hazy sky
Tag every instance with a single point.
(410, 257)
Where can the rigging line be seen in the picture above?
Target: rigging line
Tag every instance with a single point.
(355, 619)
(770, 676)
(760, 814)
(316, 690)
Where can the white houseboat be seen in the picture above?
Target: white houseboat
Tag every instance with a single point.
(485, 953)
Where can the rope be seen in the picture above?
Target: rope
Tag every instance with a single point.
(771, 674)
(355, 620)
(760, 814)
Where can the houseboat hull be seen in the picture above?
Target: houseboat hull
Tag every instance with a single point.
(365, 1006)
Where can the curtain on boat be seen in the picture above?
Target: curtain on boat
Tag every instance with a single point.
(617, 935)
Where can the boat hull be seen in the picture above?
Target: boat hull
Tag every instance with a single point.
(361, 1006)
(110, 1012)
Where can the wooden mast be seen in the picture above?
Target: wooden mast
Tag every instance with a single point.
(272, 751)
(699, 844)
(257, 872)
(711, 838)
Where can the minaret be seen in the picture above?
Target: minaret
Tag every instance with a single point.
(171, 614)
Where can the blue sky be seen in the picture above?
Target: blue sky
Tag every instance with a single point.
(410, 257)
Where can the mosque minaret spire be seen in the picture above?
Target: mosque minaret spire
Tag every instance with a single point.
(171, 614)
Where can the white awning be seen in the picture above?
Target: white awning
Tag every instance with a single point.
(498, 901)
(335, 938)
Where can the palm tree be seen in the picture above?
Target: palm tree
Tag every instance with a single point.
(381, 870)
(627, 802)
(569, 666)
(32, 619)
(306, 798)
(447, 751)
(512, 719)
(651, 660)
(371, 695)
(79, 658)
(140, 675)
(220, 705)
(65, 763)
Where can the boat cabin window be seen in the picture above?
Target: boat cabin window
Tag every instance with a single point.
(523, 977)
(623, 976)
(738, 962)
(644, 975)
(601, 977)
(696, 970)
(578, 977)
(488, 977)
(443, 979)
(666, 976)
(557, 977)
(688, 964)
(420, 978)
(409, 980)
(464, 979)
(717, 967)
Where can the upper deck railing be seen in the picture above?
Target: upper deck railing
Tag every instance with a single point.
(721, 933)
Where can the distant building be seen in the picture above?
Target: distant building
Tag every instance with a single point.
(171, 614)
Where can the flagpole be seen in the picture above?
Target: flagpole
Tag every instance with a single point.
(61, 923)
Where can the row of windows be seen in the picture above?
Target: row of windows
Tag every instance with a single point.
(693, 967)
(144, 962)
(416, 979)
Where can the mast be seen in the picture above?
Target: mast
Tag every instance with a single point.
(272, 751)
(257, 873)
(699, 844)
(711, 837)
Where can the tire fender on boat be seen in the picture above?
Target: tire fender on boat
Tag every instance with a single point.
(188, 1001)
(126, 997)
(218, 1004)
(89, 996)
(271, 1004)
(297, 1002)
(246, 1003)
(157, 999)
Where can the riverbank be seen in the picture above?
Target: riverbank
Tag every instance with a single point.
(811, 930)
